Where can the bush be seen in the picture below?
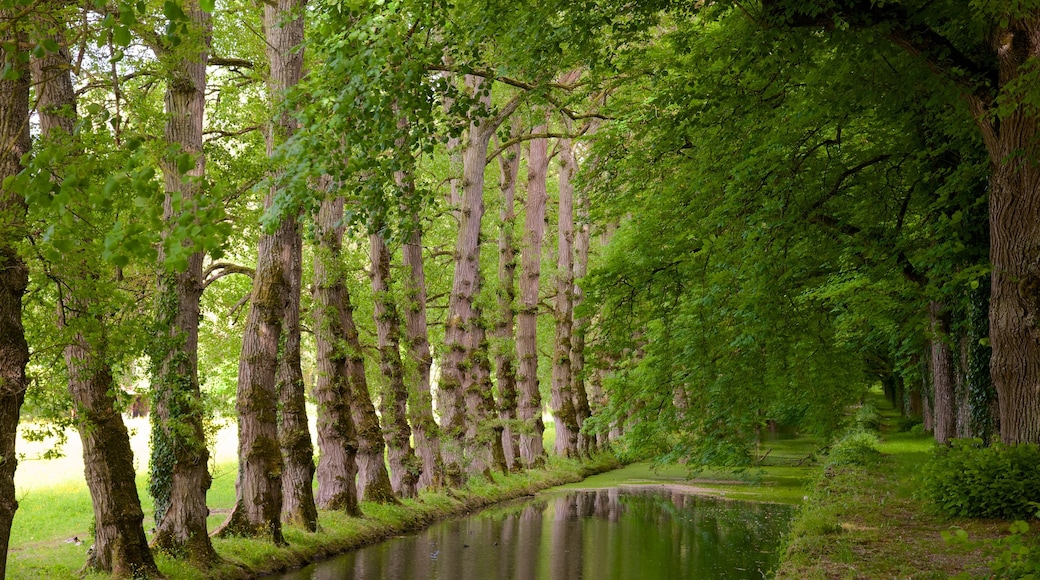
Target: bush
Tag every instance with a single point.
(970, 480)
(867, 418)
(856, 448)
(909, 424)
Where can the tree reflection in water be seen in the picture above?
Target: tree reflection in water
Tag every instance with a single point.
(602, 534)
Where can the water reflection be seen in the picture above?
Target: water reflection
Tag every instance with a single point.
(604, 534)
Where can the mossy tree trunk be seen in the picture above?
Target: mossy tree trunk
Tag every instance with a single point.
(529, 408)
(404, 465)
(298, 505)
(14, 275)
(420, 406)
(505, 347)
(337, 439)
(562, 399)
(120, 545)
(258, 504)
(179, 476)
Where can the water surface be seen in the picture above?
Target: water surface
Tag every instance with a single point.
(603, 534)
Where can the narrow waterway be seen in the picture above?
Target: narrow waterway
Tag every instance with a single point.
(604, 534)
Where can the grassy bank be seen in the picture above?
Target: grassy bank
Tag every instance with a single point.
(870, 521)
(50, 519)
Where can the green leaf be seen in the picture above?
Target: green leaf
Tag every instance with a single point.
(208, 5)
(173, 12)
(50, 45)
(121, 36)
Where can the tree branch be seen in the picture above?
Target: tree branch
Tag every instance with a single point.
(218, 270)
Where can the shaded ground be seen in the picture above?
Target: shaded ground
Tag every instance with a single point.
(870, 522)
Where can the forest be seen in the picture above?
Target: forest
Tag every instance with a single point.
(667, 225)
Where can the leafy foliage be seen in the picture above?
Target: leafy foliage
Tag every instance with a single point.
(970, 480)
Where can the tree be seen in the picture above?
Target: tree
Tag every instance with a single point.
(337, 438)
(529, 407)
(179, 475)
(258, 506)
(14, 275)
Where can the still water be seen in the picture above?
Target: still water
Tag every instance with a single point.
(596, 535)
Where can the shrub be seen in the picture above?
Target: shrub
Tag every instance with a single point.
(867, 418)
(970, 480)
(909, 424)
(856, 448)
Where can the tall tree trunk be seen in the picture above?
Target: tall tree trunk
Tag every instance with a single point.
(294, 433)
(1014, 214)
(562, 399)
(484, 448)
(424, 427)
(14, 275)
(120, 545)
(179, 476)
(337, 440)
(258, 506)
(530, 400)
(582, 407)
(404, 465)
(505, 351)
(373, 481)
(465, 285)
(942, 366)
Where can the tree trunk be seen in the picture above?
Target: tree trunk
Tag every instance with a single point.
(582, 408)
(179, 476)
(14, 275)
(530, 406)
(373, 481)
(424, 427)
(461, 315)
(405, 467)
(944, 411)
(298, 505)
(337, 440)
(120, 545)
(985, 419)
(258, 507)
(505, 350)
(1014, 214)
(563, 399)
(484, 448)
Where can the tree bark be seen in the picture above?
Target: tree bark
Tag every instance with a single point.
(530, 406)
(424, 427)
(14, 275)
(1014, 214)
(505, 351)
(294, 433)
(562, 399)
(944, 417)
(405, 467)
(582, 407)
(373, 481)
(465, 286)
(337, 440)
(258, 506)
(179, 476)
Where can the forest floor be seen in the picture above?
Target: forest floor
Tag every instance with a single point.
(52, 534)
(871, 522)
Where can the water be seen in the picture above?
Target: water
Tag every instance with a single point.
(597, 535)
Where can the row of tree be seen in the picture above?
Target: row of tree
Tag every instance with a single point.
(797, 200)
(135, 136)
